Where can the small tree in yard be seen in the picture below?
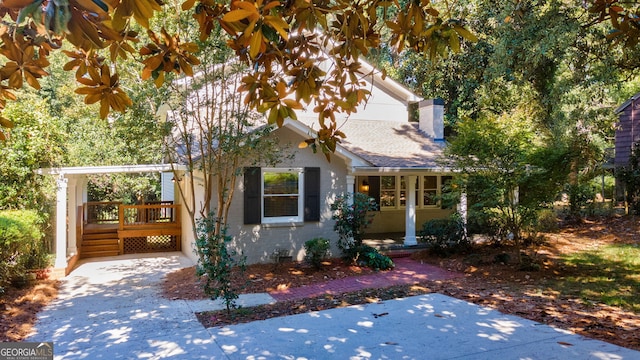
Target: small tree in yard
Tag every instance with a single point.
(216, 261)
(498, 158)
(352, 218)
(214, 133)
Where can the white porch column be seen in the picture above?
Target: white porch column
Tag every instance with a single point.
(351, 181)
(462, 209)
(82, 189)
(410, 217)
(61, 223)
(72, 190)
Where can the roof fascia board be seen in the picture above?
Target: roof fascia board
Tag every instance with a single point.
(389, 85)
(372, 170)
(88, 170)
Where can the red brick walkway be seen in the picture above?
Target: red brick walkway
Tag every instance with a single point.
(407, 271)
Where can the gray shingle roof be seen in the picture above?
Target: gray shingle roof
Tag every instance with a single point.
(391, 144)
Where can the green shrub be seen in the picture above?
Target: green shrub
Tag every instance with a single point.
(547, 221)
(317, 249)
(365, 255)
(21, 244)
(445, 236)
(352, 217)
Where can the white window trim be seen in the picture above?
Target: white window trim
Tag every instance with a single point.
(397, 194)
(420, 189)
(283, 219)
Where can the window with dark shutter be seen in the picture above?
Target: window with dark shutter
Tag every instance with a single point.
(252, 195)
(312, 194)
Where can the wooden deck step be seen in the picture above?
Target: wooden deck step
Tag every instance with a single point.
(94, 254)
(92, 237)
(100, 228)
(91, 250)
(100, 242)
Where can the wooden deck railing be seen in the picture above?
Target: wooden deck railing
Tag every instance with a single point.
(163, 215)
(102, 212)
(141, 228)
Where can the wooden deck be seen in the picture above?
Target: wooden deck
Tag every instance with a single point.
(111, 229)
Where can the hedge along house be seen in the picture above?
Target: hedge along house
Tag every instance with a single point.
(385, 155)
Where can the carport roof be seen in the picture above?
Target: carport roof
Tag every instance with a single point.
(111, 169)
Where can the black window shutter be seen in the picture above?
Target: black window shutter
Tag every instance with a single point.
(312, 194)
(374, 188)
(252, 195)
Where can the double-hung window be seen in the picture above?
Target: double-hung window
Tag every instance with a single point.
(393, 190)
(282, 198)
(281, 195)
(388, 191)
(429, 190)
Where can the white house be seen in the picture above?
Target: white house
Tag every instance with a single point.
(385, 155)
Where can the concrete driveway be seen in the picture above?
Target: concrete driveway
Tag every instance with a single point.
(111, 309)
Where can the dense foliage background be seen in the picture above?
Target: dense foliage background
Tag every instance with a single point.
(530, 103)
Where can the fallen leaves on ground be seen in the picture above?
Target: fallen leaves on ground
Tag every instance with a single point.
(260, 278)
(19, 308)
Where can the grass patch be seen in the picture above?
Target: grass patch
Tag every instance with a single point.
(609, 275)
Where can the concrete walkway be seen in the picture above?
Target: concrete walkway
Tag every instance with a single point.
(111, 309)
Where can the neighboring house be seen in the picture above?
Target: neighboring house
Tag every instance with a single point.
(627, 129)
(384, 155)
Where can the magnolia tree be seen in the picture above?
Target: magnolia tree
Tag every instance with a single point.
(281, 42)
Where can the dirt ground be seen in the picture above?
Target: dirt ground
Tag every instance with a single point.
(20, 307)
(497, 285)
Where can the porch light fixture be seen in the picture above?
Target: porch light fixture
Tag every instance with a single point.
(365, 186)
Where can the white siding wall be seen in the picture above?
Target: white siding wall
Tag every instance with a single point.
(188, 239)
(381, 106)
(167, 186)
(258, 242)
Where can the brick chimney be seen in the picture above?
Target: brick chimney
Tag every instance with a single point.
(432, 118)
